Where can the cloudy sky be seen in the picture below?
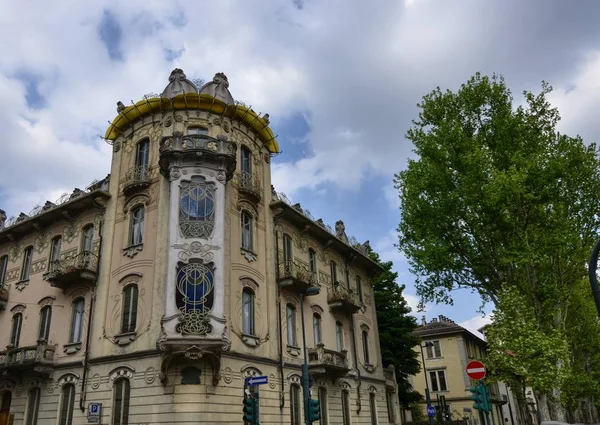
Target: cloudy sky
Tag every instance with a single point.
(340, 80)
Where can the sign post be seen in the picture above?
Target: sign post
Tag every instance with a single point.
(476, 371)
(430, 411)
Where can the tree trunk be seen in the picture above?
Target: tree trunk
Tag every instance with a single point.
(543, 408)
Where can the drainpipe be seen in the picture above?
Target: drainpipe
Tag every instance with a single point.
(593, 266)
(89, 329)
(353, 331)
(279, 326)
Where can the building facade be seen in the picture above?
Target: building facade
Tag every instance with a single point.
(157, 291)
(446, 349)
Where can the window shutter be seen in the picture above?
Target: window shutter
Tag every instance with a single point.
(126, 309)
(133, 310)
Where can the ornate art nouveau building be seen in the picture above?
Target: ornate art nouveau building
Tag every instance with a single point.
(159, 289)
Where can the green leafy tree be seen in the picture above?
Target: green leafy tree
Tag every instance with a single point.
(396, 328)
(498, 198)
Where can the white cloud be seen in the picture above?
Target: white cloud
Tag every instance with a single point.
(475, 323)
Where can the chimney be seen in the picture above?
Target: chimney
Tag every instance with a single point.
(423, 321)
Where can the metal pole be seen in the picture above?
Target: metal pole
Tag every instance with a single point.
(593, 265)
(427, 394)
(305, 386)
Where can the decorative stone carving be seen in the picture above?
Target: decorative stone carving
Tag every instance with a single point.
(340, 231)
(294, 378)
(249, 256)
(68, 378)
(22, 284)
(225, 338)
(178, 84)
(174, 173)
(167, 122)
(196, 250)
(227, 375)
(132, 250)
(218, 88)
(121, 372)
(96, 380)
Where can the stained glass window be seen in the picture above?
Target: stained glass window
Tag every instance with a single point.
(195, 296)
(197, 208)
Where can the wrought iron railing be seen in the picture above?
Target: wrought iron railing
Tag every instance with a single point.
(249, 182)
(39, 353)
(84, 261)
(292, 269)
(323, 357)
(342, 293)
(137, 175)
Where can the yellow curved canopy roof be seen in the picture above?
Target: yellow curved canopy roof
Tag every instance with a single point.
(193, 101)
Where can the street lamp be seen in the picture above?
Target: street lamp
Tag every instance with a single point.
(313, 290)
(427, 395)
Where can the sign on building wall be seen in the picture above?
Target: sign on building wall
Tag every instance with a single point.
(94, 413)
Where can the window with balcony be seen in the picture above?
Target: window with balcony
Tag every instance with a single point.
(15, 333)
(136, 226)
(202, 131)
(373, 408)
(339, 335)
(365, 344)
(27, 257)
(317, 329)
(130, 309)
(312, 261)
(197, 208)
(77, 309)
(121, 402)
(87, 238)
(438, 380)
(323, 405)
(45, 319)
(142, 155)
(248, 311)
(55, 245)
(295, 404)
(345, 407)
(359, 288)
(33, 406)
(195, 296)
(434, 349)
(245, 160)
(247, 242)
(333, 271)
(3, 267)
(67, 401)
(291, 325)
(287, 248)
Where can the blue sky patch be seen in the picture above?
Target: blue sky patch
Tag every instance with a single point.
(111, 34)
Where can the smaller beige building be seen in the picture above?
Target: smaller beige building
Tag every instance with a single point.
(447, 348)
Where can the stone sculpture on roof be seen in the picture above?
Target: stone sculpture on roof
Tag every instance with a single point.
(218, 88)
(178, 84)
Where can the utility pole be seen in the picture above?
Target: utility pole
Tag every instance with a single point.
(427, 393)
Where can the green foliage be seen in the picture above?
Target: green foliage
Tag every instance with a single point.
(395, 330)
(519, 348)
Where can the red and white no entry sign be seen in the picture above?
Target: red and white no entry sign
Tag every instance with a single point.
(476, 370)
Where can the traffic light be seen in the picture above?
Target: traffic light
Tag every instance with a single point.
(481, 397)
(314, 411)
(250, 411)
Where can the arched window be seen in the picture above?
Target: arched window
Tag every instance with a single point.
(248, 311)
(287, 248)
(365, 344)
(33, 406)
(197, 208)
(295, 404)
(87, 237)
(202, 131)
(333, 271)
(15, 333)
(247, 241)
(291, 325)
(136, 227)
(339, 335)
(121, 402)
(373, 408)
(55, 245)
(195, 297)
(130, 307)
(67, 401)
(3, 267)
(78, 308)
(345, 407)
(317, 329)
(312, 261)
(245, 160)
(27, 257)
(45, 319)
(323, 405)
(142, 156)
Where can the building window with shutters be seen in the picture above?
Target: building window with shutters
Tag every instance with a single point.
(45, 319)
(295, 405)
(15, 333)
(130, 307)
(121, 402)
(67, 401)
(27, 257)
(33, 406)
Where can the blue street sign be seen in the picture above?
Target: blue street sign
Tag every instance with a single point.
(257, 380)
(430, 410)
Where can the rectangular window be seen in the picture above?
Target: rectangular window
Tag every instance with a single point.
(121, 402)
(333, 271)
(438, 380)
(323, 405)
(295, 405)
(247, 312)
(287, 248)
(198, 130)
(55, 246)
(317, 329)
(312, 261)
(26, 269)
(136, 232)
(373, 408)
(3, 267)
(291, 325)
(45, 319)
(246, 164)
(15, 334)
(142, 157)
(33, 406)
(434, 349)
(66, 405)
(130, 307)
(77, 320)
(246, 231)
(390, 408)
(339, 336)
(359, 289)
(345, 407)
(86, 239)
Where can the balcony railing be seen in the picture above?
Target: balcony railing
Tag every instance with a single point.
(80, 267)
(295, 276)
(136, 178)
(37, 358)
(3, 296)
(249, 185)
(330, 362)
(343, 299)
